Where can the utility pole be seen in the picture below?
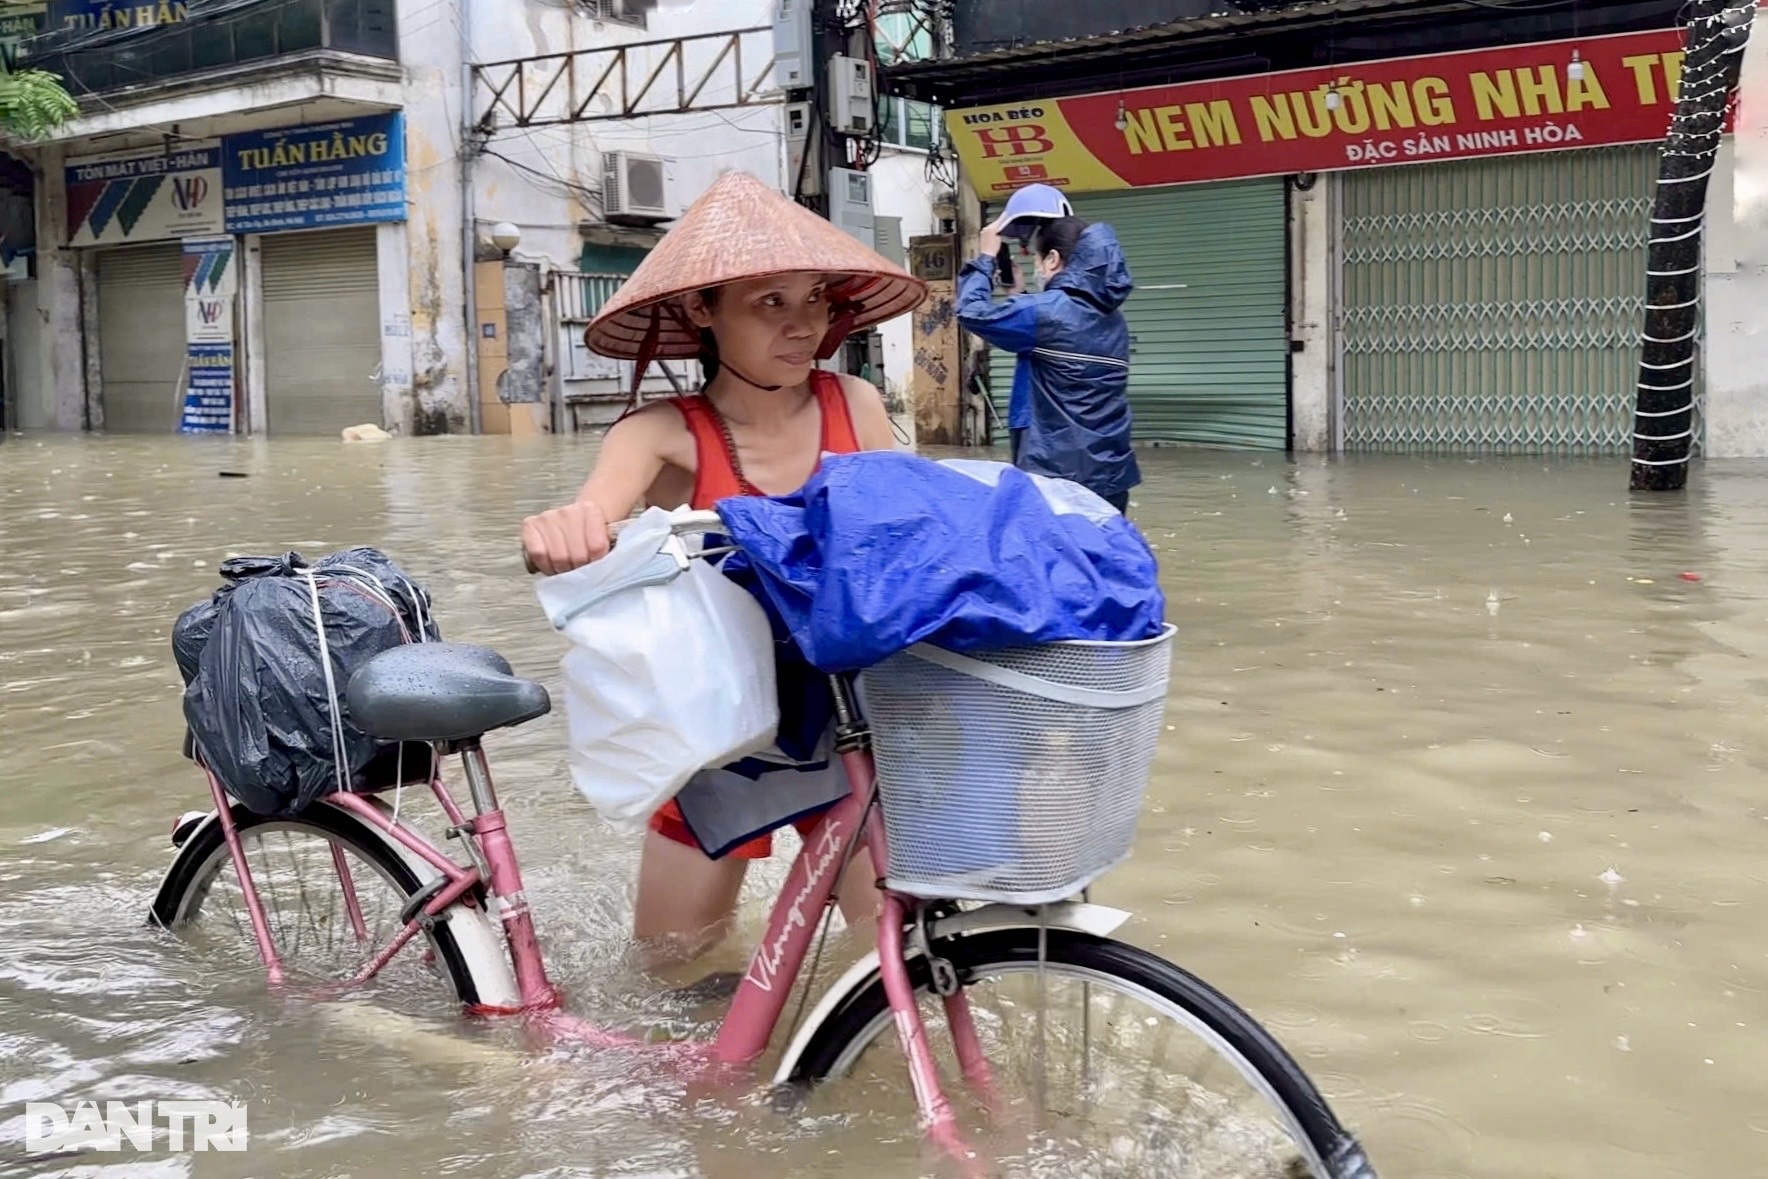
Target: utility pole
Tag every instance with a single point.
(1663, 418)
(840, 28)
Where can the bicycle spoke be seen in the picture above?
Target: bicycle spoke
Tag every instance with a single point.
(304, 916)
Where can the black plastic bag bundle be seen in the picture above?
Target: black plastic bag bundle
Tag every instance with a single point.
(257, 699)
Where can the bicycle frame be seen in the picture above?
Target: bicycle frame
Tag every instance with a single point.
(773, 969)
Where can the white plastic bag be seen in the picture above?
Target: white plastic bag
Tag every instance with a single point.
(671, 669)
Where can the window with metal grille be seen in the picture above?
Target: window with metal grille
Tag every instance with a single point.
(577, 297)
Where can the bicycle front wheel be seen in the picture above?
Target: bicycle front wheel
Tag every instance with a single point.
(1106, 1060)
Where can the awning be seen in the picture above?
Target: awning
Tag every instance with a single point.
(1242, 42)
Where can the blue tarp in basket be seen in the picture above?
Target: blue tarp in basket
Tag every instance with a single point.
(881, 550)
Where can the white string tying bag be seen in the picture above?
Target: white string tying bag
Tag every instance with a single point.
(670, 670)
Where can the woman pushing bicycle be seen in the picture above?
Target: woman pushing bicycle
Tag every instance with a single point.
(758, 289)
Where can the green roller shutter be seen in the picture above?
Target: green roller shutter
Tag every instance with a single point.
(1494, 305)
(1209, 360)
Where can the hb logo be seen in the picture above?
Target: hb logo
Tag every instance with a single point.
(188, 191)
(1015, 139)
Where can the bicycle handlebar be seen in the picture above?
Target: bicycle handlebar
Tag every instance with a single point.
(691, 523)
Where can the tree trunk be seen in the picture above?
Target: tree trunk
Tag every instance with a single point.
(1663, 416)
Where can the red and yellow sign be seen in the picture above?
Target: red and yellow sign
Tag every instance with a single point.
(1405, 110)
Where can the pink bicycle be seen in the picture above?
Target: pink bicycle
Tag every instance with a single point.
(1110, 1059)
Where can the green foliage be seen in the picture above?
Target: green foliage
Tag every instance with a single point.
(33, 103)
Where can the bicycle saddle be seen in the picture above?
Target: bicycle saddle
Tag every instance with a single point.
(440, 692)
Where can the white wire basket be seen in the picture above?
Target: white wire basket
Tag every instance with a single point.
(1014, 775)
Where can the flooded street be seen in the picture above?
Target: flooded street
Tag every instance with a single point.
(1463, 795)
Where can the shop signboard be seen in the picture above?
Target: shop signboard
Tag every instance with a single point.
(211, 286)
(316, 176)
(144, 196)
(1546, 96)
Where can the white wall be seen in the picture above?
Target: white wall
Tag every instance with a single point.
(545, 180)
(431, 48)
(1736, 323)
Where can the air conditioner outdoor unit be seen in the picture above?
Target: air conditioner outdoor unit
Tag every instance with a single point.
(636, 187)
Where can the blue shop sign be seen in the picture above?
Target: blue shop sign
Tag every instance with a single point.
(312, 177)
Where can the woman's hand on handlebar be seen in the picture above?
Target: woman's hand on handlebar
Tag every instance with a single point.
(565, 538)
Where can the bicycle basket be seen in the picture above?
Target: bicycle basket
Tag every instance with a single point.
(1014, 775)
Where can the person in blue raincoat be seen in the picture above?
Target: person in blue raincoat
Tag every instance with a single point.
(1073, 346)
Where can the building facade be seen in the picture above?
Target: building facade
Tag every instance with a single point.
(1370, 225)
(295, 216)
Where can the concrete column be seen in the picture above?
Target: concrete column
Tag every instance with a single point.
(62, 356)
(393, 259)
(91, 329)
(1737, 329)
(251, 252)
(1311, 381)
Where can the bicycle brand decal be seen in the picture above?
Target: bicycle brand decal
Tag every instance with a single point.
(766, 967)
(187, 1125)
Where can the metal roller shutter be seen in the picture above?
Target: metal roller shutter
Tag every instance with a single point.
(322, 335)
(141, 337)
(1209, 359)
(1494, 305)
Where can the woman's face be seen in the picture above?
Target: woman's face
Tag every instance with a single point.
(768, 329)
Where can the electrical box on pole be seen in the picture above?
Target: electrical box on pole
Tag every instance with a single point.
(794, 45)
(850, 203)
(803, 176)
(851, 96)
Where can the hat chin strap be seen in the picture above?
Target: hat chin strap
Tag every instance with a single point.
(736, 372)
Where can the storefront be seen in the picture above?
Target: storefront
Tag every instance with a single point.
(132, 210)
(1494, 305)
(1484, 215)
(316, 194)
(238, 281)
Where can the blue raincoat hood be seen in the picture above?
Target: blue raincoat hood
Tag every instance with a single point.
(1097, 272)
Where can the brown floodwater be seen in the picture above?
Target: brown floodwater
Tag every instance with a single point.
(1462, 795)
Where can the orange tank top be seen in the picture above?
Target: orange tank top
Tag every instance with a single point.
(718, 474)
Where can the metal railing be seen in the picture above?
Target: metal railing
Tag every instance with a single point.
(701, 72)
(214, 37)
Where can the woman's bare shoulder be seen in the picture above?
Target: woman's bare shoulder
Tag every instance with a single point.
(654, 426)
(871, 421)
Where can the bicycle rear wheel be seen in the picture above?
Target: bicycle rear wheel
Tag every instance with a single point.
(1107, 1061)
(332, 893)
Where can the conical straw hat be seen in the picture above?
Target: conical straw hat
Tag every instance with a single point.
(740, 228)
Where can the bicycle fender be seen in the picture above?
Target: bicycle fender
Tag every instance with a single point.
(480, 941)
(1075, 916)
